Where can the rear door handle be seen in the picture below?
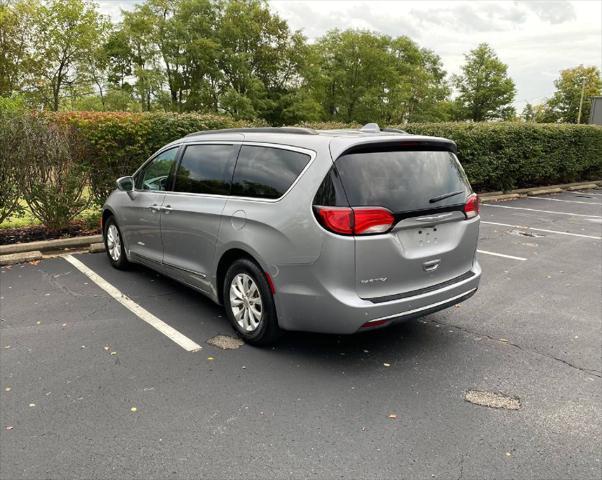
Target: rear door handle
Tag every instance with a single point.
(166, 208)
(155, 208)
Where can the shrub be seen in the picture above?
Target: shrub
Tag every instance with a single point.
(121, 141)
(54, 172)
(10, 174)
(507, 155)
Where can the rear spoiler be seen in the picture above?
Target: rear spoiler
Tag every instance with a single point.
(400, 143)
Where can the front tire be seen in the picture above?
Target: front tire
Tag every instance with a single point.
(249, 303)
(114, 245)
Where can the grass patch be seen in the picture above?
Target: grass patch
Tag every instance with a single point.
(90, 216)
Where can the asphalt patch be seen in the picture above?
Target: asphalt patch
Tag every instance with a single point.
(492, 400)
(225, 342)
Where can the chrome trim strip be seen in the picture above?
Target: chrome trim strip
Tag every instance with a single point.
(312, 155)
(427, 307)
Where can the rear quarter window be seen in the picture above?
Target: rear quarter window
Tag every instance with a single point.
(266, 172)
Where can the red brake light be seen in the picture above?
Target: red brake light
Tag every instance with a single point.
(471, 207)
(372, 220)
(337, 219)
(356, 221)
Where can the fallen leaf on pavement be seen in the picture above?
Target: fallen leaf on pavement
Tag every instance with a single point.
(387, 364)
(9, 427)
(392, 416)
(133, 409)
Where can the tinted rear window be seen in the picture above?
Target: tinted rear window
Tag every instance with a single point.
(206, 169)
(266, 172)
(402, 181)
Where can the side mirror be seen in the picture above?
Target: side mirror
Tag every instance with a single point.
(125, 184)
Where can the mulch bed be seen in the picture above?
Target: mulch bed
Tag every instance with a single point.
(38, 232)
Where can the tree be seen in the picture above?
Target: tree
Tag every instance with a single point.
(367, 77)
(15, 30)
(484, 89)
(260, 60)
(66, 32)
(564, 104)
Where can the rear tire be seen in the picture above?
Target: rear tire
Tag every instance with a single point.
(249, 303)
(114, 245)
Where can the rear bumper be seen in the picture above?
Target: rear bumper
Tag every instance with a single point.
(316, 308)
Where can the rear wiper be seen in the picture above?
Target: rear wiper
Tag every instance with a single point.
(444, 196)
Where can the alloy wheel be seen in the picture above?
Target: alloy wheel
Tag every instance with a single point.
(245, 301)
(114, 242)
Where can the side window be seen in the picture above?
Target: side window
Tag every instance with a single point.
(155, 175)
(206, 169)
(266, 172)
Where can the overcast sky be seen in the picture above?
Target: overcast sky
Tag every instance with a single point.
(535, 38)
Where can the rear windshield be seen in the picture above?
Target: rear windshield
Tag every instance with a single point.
(403, 181)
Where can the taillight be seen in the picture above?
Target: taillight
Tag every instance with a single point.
(471, 207)
(356, 221)
(372, 220)
(337, 219)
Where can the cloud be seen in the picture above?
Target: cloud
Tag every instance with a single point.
(473, 17)
(554, 12)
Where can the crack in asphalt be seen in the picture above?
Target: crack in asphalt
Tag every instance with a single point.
(589, 371)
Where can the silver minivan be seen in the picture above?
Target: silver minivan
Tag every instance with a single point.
(336, 231)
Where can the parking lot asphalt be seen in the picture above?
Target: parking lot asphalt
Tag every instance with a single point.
(89, 390)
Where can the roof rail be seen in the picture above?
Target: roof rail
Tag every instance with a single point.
(294, 130)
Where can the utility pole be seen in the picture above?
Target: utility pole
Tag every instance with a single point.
(581, 102)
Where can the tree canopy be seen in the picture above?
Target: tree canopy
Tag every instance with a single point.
(238, 57)
(485, 89)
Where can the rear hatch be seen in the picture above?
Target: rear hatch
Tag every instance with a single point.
(431, 240)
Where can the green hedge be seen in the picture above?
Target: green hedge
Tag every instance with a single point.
(507, 155)
(121, 141)
(496, 156)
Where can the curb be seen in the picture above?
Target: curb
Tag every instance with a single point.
(46, 245)
(22, 257)
(544, 191)
(499, 198)
(533, 191)
(565, 186)
(96, 248)
(589, 186)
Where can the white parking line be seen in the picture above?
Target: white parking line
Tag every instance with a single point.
(511, 257)
(541, 211)
(542, 230)
(565, 201)
(170, 332)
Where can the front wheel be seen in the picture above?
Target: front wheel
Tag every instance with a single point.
(249, 303)
(114, 245)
